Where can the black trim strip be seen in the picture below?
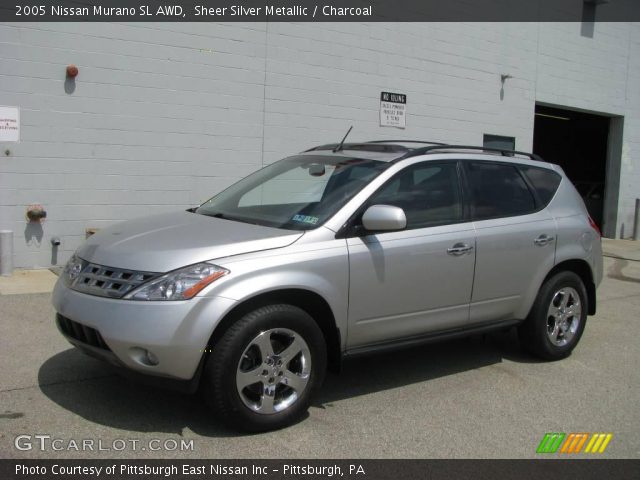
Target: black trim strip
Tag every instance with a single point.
(428, 338)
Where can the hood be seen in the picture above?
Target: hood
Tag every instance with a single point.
(160, 243)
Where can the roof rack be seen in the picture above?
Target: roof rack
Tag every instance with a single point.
(387, 146)
(367, 147)
(407, 141)
(502, 151)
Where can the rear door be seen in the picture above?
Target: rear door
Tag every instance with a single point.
(418, 280)
(515, 240)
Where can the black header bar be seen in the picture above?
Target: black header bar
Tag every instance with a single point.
(319, 10)
(354, 469)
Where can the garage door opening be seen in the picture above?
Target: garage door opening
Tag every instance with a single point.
(583, 144)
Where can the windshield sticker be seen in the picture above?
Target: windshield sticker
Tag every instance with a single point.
(305, 219)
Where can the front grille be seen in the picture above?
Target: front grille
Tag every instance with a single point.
(108, 281)
(82, 333)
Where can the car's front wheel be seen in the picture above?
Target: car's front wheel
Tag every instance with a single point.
(558, 317)
(262, 373)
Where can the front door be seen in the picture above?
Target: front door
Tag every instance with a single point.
(418, 280)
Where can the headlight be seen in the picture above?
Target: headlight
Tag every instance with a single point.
(72, 269)
(180, 284)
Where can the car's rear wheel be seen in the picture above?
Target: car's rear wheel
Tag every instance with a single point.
(261, 375)
(558, 317)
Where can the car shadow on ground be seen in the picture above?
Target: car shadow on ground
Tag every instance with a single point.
(373, 373)
(97, 393)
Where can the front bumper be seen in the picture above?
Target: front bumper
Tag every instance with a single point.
(176, 333)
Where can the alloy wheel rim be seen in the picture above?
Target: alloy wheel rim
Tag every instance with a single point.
(563, 316)
(273, 371)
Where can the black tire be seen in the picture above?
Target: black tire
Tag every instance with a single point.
(536, 332)
(220, 388)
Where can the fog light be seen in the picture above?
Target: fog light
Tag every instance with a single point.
(144, 356)
(151, 358)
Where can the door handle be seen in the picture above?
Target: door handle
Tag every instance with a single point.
(459, 249)
(543, 240)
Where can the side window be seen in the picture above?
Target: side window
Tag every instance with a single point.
(545, 182)
(428, 193)
(498, 190)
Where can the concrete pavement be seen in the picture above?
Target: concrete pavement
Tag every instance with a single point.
(627, 249)
(27, 281)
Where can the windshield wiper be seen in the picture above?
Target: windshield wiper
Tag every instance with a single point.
(221, 215)
(224, 216)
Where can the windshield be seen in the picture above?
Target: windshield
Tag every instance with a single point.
(297, 193)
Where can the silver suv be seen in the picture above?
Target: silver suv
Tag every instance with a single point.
(342, 250)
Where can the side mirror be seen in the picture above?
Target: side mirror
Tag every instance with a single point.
(384, 218)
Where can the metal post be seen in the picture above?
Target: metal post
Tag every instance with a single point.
(6, 253)
(636, 222)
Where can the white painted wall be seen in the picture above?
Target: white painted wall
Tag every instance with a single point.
(165, 115)
(600, 74)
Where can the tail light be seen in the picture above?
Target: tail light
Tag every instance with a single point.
(594, 226)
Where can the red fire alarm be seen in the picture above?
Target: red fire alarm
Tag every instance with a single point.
(72, 71)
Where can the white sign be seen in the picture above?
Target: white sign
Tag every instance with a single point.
(9, 124)
(393, 110)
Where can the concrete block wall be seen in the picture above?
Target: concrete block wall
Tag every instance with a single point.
(165, 115)
(321, 78)
(600, 74)
(630, 178)
(162, 116)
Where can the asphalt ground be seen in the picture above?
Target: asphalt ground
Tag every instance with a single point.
(480, 397)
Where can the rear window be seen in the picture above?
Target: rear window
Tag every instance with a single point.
(498, 190)
(545, 182)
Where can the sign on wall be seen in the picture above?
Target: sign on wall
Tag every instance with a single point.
(9, 124)
(393, 110)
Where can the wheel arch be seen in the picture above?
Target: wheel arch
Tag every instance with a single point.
(312, 303)
(583, 270)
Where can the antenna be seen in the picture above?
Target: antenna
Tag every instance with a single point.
(339, 147)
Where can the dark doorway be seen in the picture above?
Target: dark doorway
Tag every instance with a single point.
(577, 142)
